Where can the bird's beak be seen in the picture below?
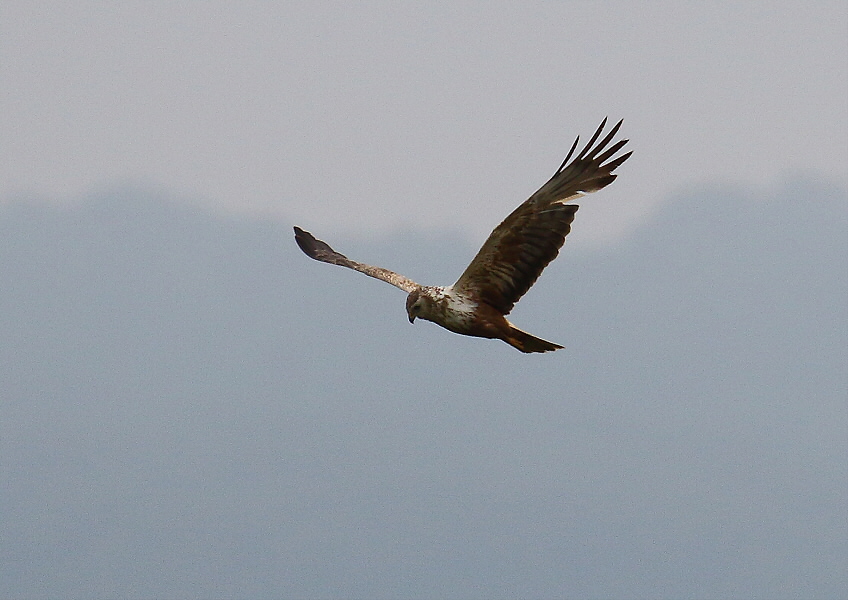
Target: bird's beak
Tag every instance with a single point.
(412, 319)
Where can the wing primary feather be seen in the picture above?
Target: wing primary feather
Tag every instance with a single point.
(592, 141)
(617, 162)
(570, 152)
(609, 137)
(319, 250)
(588, 151)
(609, 153)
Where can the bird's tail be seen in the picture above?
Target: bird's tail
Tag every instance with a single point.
(528, 343)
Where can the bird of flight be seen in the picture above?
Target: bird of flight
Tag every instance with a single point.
(511, 259)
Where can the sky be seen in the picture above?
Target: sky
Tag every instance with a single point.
(383, 116)
(189, 407)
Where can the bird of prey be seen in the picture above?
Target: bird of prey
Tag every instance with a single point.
(511, 259)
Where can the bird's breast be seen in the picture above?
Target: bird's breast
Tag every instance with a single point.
(451, 310)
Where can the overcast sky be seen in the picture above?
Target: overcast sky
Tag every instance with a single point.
(375, 115)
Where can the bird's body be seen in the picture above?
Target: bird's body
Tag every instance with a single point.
(462, 314)
(511, 259)
(442, 305)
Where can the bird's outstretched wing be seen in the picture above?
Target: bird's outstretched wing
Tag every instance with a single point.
(518, 249)
(315, 248)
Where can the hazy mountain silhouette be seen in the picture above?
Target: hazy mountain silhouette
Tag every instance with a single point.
(191, 407)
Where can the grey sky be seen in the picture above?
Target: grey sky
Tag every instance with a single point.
(386, 115)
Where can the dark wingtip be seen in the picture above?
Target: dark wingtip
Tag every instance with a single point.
(307, 242)
(303, 239)
(315, 248)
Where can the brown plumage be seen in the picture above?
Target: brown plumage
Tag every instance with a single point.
(511, 259)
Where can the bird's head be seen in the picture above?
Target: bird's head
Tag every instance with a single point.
(414, 304)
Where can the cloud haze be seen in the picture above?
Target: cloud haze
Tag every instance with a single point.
(381, 116)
